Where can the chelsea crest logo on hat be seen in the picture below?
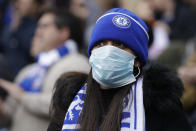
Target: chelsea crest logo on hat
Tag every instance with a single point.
(124, 26)
(121, 21)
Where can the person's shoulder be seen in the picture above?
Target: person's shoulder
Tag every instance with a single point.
(162, 88)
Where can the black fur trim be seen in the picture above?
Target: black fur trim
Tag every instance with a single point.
(162, 89)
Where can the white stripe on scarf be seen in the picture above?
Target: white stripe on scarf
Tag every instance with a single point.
(48, 58)
(35, 76)
(133, 115)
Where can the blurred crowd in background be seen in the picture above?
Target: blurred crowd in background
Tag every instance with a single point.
(42, 39)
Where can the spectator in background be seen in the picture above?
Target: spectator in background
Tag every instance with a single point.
(183, 26)
(66, 28)
(179, 17)
(51, 43)
(15, 39)
(177, 26)
(68, 83)
(187, 73)
(160, 29)
(79, 9)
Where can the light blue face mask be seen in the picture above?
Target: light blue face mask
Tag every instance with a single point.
(112, 67)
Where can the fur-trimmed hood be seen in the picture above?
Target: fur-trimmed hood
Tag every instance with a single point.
(162, 88)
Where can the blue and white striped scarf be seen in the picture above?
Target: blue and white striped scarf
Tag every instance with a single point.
(35, 76)
(133, 115)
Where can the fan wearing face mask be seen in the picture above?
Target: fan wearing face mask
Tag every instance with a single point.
(120, 94)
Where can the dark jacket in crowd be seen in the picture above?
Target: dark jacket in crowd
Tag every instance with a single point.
(162, 91)
(6, 74)
(183, 26)
(16, 44)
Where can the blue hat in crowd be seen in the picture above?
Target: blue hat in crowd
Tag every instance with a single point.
(123, 26)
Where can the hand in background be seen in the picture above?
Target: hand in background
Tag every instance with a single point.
(13, 89)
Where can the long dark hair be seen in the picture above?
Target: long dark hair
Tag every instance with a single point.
(66, 87)
(92, 111)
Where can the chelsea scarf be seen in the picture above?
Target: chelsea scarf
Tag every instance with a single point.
(133, 115)
(35, 76)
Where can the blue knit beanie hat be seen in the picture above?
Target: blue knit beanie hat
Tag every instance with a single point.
(125, 27)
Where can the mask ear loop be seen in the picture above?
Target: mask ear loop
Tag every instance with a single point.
(138, 72)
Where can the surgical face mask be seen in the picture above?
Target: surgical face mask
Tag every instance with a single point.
(112, 67)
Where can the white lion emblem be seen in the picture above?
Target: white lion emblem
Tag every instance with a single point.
(75, 106)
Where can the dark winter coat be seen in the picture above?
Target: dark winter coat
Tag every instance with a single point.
(162, 91)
